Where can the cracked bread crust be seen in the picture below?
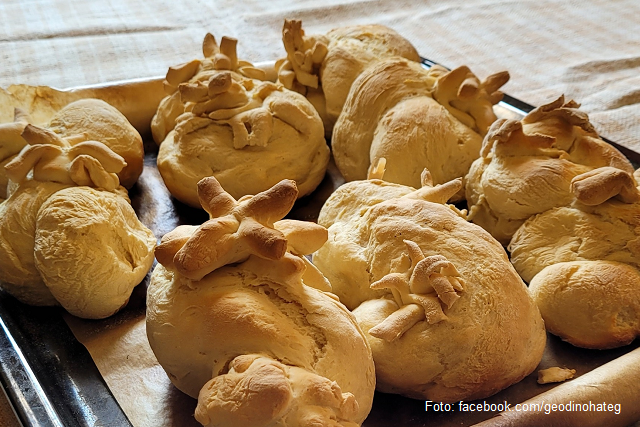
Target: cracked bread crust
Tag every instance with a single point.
(197, 329)
(95, 237)
(492, 337)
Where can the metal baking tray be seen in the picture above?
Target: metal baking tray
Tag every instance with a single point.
(51, 379)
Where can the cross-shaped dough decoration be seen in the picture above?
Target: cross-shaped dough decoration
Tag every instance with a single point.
(419, 292)
(236, 230)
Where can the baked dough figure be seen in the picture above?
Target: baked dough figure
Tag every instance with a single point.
(526, 167)
(82, 120)
(446, 314)
(220, 119)
(68, 234)
(415, 118)
(236, 318)
(323, 67)
(583, 261)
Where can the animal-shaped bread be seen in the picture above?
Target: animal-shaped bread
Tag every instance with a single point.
(323, 67)
(221, 119)
(414, 118)
(583, 261)
(526, 166)
(68, 234)
(446, 314)
(236, 318)
(79, 121)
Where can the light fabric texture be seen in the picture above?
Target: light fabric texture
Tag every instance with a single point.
(586, 50)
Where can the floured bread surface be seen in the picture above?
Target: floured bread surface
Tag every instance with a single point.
(95, 120)
(590, 304)
(324, 67)
(447, 316)
(221, 119)
(234, 321)
(288, 144)
(68, 233)
(526, 167)
(18, 274)
(583, 261)
(610, 231)
(197, 329)
(415, 119)
(97, 239)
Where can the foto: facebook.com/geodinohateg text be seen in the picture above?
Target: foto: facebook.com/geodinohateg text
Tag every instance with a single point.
(541, 406)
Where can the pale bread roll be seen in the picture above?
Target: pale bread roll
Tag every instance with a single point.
(78, 121)
(602, 223)
(96, 120)
(323, 67)
(18, 273)
(590, 304)
(68, 233)
(220, 119)
(583, 261)
(526, 167)
(475, 334)
(415, 118)
(91, 250)
(232, 320)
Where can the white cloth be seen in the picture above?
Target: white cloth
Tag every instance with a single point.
(588, 50)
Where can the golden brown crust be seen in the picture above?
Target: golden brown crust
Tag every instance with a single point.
(221, 119)
(324, 67)
(415, 118)
(400, 259)
(599, 185)
(590, 304)
(237, 230)
(527, 167)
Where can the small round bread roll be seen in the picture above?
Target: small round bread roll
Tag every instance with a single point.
(590, 304)
(583, 261)
(323, 67)
(96, 239)
(68, 234)
(446, 314)
(95, 120)
(221, 120)
(233, 318)
(526, 167)
(414, 118)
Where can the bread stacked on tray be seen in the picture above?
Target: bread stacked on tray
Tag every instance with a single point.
(235, 320)
(324, 67)
(222, 119)
(414, 118)
(566, 203)
(582, 261)
(446, 314)
(68, 233)
(526, 166)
